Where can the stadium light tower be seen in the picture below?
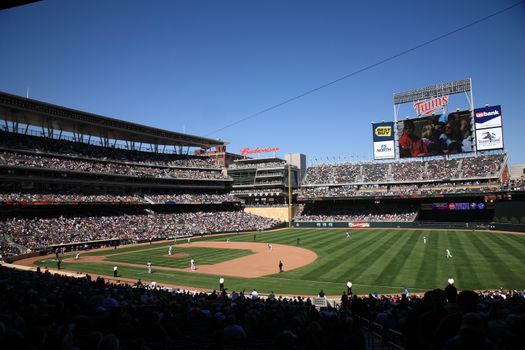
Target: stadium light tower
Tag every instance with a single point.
(450, 280)
(348, 287)
(289, 195)
(221, 284)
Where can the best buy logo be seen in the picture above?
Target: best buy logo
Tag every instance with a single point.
(383, 131)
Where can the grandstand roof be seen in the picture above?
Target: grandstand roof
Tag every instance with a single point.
(49, 116)
(5, 4)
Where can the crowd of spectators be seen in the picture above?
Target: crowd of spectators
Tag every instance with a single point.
(332, 174)
(515, 185)
(192, 197)
(104, 167)
(42, 310)
(442, 169)
(319, 213)
(258, 165)
(374, 172)
(15, 141)
(9, 249)
(412, 190)
(29, 197)
(484, 166)
(446, 319)
(36, 233)
(58, 197)
(408, 171)
(481, 166)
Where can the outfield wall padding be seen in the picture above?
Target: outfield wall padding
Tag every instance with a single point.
(414, 225)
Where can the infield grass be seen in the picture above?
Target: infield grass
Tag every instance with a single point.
(375, 260)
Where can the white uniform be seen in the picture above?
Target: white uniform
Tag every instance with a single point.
(189, 240)
(192, 264)
(149, 267)
(424, 240)
(255, 295)
(169, 250)
(348, 235)
(77, 256)
(270, 247)
(448, 253)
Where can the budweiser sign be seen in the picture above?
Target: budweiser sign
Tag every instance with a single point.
(246, 150)
(427, 107)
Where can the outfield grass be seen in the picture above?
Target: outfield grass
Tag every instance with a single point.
(382, 260)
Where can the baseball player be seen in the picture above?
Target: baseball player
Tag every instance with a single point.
(448, 253)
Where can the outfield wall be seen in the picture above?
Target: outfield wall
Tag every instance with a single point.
(412, 225)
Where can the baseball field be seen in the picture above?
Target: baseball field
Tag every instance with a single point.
(374, 260)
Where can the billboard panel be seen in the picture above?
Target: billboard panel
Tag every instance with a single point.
(383, 131)
(384, 150)
(435, 135)
(487, 139)
(358, 224)
(487, 117)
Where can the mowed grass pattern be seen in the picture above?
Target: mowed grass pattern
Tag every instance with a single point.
(382, 260)
(202, 256)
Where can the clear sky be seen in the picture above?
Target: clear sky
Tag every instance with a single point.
(196, 66)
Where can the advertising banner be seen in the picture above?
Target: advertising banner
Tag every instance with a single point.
(487, 139)
(383, 131)
(358, 224)
(459, 206)
(384, 150)
(487, 117)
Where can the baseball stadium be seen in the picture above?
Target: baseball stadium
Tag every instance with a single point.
(115, 234)
(86, 197)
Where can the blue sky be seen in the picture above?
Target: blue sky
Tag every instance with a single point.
(196, 66)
